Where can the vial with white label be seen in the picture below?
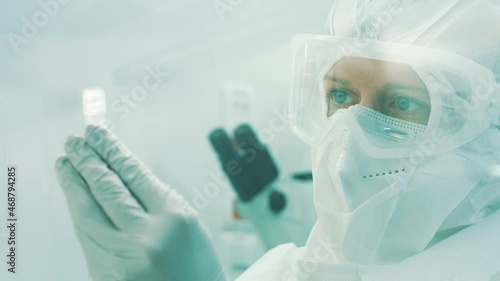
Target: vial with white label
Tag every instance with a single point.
(94, 106)
(238, 105)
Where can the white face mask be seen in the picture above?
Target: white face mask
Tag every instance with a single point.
(382, 210)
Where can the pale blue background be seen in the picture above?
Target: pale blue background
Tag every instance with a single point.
(107, 44)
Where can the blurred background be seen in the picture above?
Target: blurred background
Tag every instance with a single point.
(193, 51)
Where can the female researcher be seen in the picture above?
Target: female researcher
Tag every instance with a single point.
(399, 103)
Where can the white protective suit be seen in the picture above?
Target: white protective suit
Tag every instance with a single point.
(440, 221)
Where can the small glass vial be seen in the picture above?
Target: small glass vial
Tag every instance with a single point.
(94, 106)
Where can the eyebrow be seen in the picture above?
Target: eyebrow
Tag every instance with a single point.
(391, 86)
(387, 86)
(394, 86)
(337, 80)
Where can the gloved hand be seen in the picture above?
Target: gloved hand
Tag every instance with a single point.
(131, 226)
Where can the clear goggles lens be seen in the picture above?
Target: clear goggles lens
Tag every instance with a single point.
(395, 91)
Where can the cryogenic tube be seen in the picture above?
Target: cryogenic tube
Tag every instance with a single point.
(94, 106)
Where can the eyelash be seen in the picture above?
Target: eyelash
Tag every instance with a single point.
(392, 104)
(331, 95)
(412, 101)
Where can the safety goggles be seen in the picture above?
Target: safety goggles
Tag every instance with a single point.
(398, 93)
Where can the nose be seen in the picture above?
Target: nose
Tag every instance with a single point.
(369, 100)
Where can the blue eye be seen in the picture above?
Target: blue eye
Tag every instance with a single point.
(409, 109)
(341, 96)
(408, 105)
(403, 103)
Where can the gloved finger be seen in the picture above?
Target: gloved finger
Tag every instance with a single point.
(150, 191)
(106, 187)
(85, 211)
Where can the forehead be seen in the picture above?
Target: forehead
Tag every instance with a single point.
(364, 70)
